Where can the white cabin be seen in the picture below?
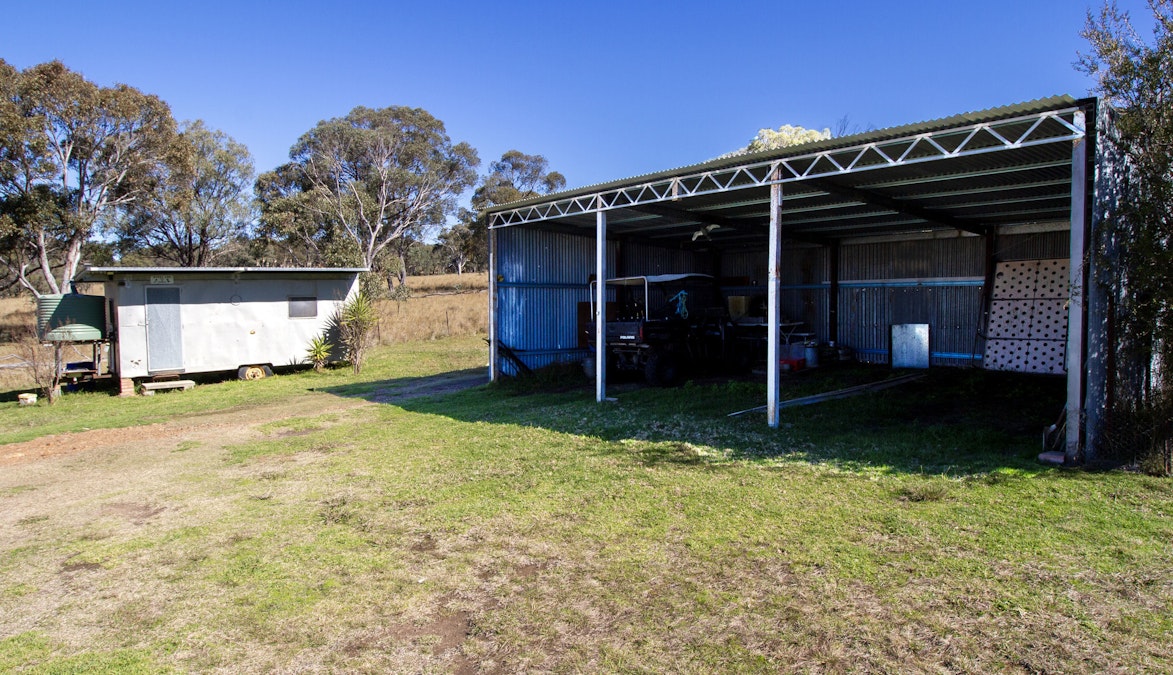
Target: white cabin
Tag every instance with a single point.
(182, 320)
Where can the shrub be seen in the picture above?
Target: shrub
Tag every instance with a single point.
(44, 365)
(319, 352)
(356, 321)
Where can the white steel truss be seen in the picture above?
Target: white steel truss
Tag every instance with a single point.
(984, 137)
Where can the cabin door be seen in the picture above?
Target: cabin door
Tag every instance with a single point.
(164, 336)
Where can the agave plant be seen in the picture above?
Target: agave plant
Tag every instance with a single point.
(319, 352)
(356, 320)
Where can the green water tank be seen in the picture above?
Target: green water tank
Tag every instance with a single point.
(71, 317)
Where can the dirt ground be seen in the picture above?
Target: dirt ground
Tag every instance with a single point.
(106, 481)
(225, 428)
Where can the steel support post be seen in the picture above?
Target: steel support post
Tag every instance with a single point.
(1077, 314)
(601, 306)
(773, 307)
(833, 292)
(494, 366)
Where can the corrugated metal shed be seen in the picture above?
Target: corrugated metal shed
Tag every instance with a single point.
(894, 226)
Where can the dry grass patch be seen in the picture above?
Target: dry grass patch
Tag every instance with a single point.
(448, 283)
(17, 318)
(432, 317)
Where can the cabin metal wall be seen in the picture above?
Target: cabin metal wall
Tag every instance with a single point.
(225, 320)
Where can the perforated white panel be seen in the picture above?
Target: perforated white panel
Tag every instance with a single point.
(1027, 330)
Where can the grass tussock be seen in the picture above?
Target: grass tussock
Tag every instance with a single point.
(926, 491)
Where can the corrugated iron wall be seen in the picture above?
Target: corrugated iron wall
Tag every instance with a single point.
(639, 260)
(805, 274)
(543, 276)
(932, 281)
(1038, 246)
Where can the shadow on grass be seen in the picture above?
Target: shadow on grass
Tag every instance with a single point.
(403, 389)
(953, 422)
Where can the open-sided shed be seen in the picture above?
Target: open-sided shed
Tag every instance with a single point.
(173, 320)
(975, 225)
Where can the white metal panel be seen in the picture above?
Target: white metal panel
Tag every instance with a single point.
(910, 345)
(164, 329)
(229, 322)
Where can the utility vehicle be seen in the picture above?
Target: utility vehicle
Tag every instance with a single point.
(663, 325)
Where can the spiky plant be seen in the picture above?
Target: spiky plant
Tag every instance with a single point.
(356, 320)
(319, 352)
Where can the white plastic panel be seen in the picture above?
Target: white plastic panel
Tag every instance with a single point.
(1027, 329)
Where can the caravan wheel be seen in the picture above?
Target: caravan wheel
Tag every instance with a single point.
(253, 372)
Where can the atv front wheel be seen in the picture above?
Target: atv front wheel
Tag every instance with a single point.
(662, 369)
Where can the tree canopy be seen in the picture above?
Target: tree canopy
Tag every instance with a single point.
(71, 154)
(1135, 78)
(356, 184)
(200, 203)
(782, 137)
(514, 177)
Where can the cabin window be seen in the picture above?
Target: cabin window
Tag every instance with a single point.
(303, 308)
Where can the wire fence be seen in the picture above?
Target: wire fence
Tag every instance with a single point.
(1141, 436)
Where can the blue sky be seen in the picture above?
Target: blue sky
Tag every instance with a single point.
(604, 90)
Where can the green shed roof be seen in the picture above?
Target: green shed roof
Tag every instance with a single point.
(1004, 165)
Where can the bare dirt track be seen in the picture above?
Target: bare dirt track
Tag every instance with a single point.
(435, 385)
(231, 425)
(226, 427)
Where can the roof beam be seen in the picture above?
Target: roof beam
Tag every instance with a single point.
(897, 206)
(824, 160)
(667, 211)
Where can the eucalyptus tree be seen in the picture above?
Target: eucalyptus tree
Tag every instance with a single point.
(72, 154)
(1135, 77)
(514, 177)
(361, 182)
(288, 233)
(456, 244)
(201, 203)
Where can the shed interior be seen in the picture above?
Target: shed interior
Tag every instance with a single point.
(907, 225)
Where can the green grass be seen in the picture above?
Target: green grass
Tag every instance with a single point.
(907, 531)
(33, 653)
(80, 411)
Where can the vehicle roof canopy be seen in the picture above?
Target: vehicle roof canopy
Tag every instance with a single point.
(655, 279)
